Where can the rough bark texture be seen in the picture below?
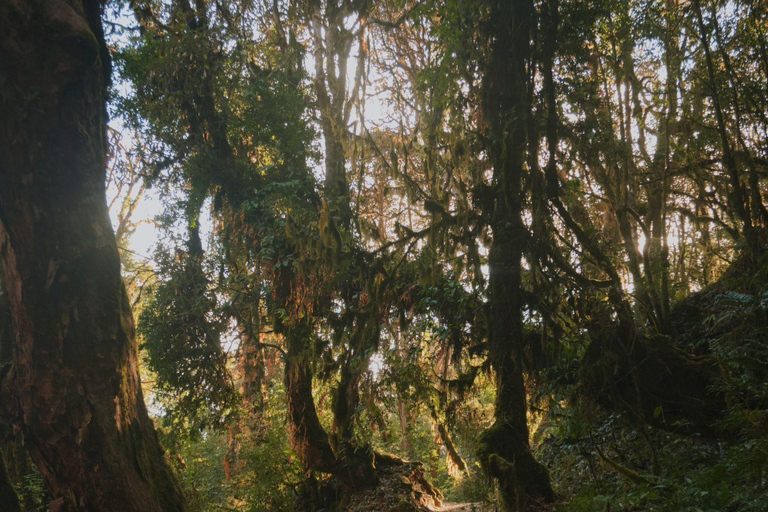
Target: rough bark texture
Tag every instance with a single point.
(355, 468)
(505, 451)
(338, 453)
(346, 399)
(73, 390)
(452, 454)
(308, 437)
(8, 498)
(253, 374)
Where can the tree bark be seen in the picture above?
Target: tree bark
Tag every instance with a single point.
(505, 452)
(8, 497)
(309, 439)
(73, 390)
(452, 454)
(737, 198)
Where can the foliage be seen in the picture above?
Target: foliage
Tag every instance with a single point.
(382, 193)
(698, 476)
(182, 339)
(667, 471)
(240, 468)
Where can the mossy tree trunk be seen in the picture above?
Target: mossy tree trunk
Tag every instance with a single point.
(73, 389)
(505, 451)
(309, 439)
(332, 42)
(8, 497)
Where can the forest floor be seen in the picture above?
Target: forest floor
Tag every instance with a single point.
(464, 507)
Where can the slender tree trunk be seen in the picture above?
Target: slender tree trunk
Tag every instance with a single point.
(406, 444)
(308, 437)
(754, 200)
(452, 454)
(456, 463)
(74, 389)
(253, 374)
(254, 368)
(737, 198)
(505, 451)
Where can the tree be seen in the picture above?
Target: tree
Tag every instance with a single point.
(507, 108)
(546, 182)
(73, 387)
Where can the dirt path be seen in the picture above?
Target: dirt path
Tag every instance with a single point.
(463, 507)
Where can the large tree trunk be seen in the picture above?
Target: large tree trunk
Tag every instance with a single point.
(73, 390)
(308, 437)
(505, 451)
(8, 497)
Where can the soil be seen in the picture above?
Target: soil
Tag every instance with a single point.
(464, 507)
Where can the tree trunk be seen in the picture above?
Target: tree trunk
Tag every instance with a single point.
(253, 374)
(308, 437)
(406, 444)
(252, 358)
(8, 497)
(505, 451)
(456, 464)
(737, 198)
(73, 390)
(455, 461)
(346, 399)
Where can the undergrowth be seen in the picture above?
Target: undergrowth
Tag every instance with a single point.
(602, 462)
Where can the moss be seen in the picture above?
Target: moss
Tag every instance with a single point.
(505, 457)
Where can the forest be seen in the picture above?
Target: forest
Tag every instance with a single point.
(392, 255)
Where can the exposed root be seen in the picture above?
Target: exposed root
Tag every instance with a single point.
(402, 487)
